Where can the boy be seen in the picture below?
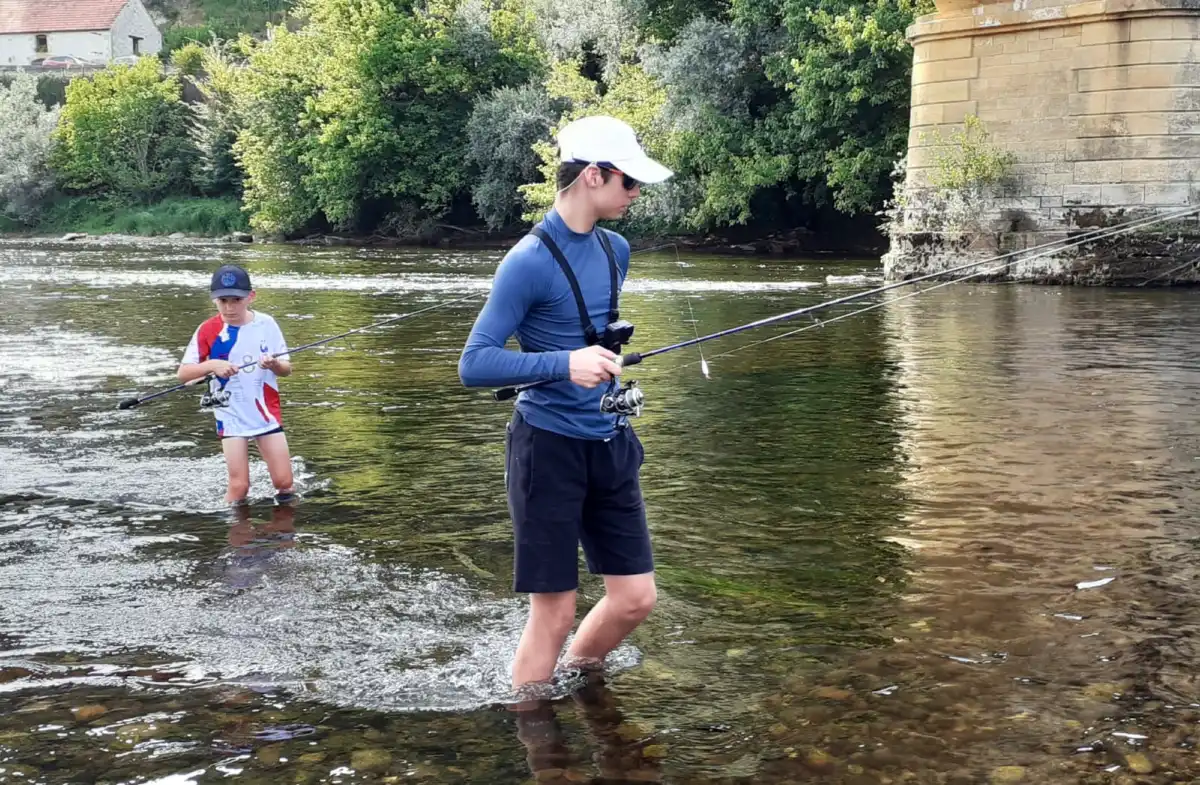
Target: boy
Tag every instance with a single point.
(571, 470)
(234, 337)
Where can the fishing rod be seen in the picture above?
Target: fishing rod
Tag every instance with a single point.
(821, 323)
(138, 400)
(629, 399)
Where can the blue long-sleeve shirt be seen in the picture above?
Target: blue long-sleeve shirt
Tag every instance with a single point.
(531, 298)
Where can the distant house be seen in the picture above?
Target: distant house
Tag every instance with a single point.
(93, 30)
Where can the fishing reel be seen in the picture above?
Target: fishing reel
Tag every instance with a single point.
(215, 399)
(616, 334)
(626, 402)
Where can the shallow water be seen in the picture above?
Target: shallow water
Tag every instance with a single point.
(952, 539)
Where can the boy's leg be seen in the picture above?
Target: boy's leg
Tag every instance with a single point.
(273, 448)
(627, 601)
(616, 541)
(551, 616)
(546, 478)
(237, 463)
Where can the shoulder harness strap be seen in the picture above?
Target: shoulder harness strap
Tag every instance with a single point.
(585, 321)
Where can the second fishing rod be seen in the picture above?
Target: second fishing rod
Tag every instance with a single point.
(629, 399)
(211, 399)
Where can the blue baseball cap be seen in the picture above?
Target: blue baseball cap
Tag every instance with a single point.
(230, 281)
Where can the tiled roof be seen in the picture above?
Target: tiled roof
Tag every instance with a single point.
(57, 16)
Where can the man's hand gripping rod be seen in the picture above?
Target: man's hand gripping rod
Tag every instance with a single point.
(508, 393)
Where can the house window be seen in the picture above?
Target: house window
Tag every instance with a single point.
(43, 46)
(137, 44)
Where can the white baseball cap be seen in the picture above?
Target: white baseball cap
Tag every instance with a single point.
(606, 140)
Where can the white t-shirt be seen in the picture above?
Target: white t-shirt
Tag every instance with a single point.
(253, 407)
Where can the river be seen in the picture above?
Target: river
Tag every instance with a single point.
(949, 540)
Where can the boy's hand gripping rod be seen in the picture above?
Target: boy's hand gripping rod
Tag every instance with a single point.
(129, 403)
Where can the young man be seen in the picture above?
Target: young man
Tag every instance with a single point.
(250, 397)
(571, 470)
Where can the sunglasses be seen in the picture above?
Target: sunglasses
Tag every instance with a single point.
(626, 181)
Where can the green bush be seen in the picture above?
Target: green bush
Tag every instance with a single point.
(123, 132)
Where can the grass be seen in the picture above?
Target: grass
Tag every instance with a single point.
(210, 217)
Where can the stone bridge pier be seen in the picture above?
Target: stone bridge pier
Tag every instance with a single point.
(1099, 102)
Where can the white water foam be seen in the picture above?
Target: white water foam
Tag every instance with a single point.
(405, 282)
(318, 620)
(56, 358)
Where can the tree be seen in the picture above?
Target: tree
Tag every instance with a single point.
(847, 69)
(123, 132)
(25, 145)
(379, 108)
(501, 133)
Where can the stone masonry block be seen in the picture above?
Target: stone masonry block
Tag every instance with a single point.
(1078, 10)
(1169, 194)
(942, 49)
(1183, 123)
(1139, 147)
(1083, 195)
(925, 114)
(1105, 125)
(1052, 201)
(1016, 46)
(1138, 77)
(941, 92)
(945, 70)
(1088, 104)
(989, 62)
(1182, 99)
(1097, 172)
(1152, 28)
(1158, 171)
(922, 157)
(1187, 29)
(957, 112)
(1121, 195)
(1102, 55)
(1105, 32)
(1060, 57)
(1027, 57)
(1175, 52)
(1070, 42)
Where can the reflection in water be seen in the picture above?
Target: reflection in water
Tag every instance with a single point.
(622, 751)
(253, 548)
(1046, 635)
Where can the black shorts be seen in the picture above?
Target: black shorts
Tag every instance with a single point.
(564, 491)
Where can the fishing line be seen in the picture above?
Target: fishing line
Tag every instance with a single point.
(635, 358)
(872, 307)
(695, 330)
(138, 400)
(847, 315)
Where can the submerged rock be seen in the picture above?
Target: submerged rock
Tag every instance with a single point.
(370, 760)
(89, 711)
(1006, 775)
(1139, 763)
